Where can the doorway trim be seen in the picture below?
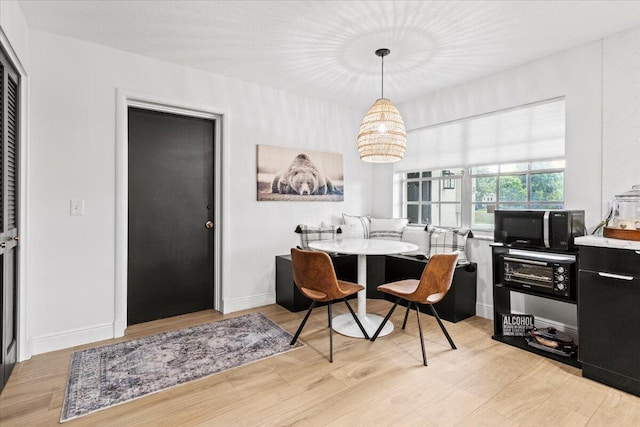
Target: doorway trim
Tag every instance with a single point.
(24, 218)
(124, 100)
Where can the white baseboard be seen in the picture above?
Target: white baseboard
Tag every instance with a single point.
(484, 310)
(72, 338)
(25, 350)
(119, 327)
(230, 305)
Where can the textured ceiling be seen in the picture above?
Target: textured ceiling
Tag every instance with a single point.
(325, 49)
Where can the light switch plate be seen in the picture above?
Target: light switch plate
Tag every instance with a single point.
(77, 207)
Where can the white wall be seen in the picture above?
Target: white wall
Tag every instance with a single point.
(384, 197)
(73, 95)
(593, 126)
(14, 27)
(621, 111)
(71, 155)
(575, 74)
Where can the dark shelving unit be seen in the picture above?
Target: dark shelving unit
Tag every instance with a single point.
(521, 343)
(502, 305)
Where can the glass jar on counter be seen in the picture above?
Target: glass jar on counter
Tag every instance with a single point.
(625, 216)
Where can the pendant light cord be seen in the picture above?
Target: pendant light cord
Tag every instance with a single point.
(382, 75)
(382, 53)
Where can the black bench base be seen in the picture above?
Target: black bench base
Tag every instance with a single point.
(287, 293)
(460, 301)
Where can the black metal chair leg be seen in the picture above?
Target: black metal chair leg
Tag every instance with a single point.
(330, 333)
(446, 334)
(406, 314)
(424, 355)
(385, 320)
(295, 337)
(364, 332)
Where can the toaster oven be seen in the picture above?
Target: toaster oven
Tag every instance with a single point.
(540, 272)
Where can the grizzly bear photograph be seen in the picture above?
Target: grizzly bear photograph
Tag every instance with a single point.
(289, 174)
(302, 177)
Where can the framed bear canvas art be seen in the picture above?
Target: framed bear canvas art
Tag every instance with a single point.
(292, 174)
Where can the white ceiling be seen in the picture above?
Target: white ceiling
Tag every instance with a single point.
(325, 49)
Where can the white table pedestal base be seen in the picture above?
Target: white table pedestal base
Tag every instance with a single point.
(345, 325)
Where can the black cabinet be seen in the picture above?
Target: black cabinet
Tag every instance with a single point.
(609, 316)
(458, 304)
(287, 293)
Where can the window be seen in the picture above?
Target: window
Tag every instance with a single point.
(469, 196)
(530, 185)
(433, 197)
(505, 159)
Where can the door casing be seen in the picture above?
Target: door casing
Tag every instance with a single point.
(126, 99)
(9, 253)
(23, 189)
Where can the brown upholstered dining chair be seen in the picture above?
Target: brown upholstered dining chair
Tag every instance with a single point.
(431, 288)
(315, 276)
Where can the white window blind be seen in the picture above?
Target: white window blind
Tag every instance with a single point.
(531, 132)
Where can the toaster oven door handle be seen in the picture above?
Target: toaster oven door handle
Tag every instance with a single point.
(614, 276)
(526, 261)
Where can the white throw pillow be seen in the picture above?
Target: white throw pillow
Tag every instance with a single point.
(361, 226)
(312, 234)
(387, 228)
(350, 231)
(417, 236)
(445, 240)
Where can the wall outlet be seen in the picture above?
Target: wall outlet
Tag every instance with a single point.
(77, 207)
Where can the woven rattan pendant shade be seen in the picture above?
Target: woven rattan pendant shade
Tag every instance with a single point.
(382, 137)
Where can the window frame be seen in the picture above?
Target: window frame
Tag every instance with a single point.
(421, 180)
(467, 198)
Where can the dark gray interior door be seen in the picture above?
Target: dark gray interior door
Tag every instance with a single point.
(9, 98)
(171, 197)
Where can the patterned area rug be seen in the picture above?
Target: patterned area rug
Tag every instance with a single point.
(107, 376)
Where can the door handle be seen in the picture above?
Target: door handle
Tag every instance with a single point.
(614, 276)
(208, 224)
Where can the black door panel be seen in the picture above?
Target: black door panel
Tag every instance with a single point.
(170, 262)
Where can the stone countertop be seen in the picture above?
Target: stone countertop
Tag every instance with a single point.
(606, 242)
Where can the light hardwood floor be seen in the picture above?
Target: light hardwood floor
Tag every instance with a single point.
(383, 383)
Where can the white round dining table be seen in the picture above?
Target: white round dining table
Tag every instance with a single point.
(344, 323)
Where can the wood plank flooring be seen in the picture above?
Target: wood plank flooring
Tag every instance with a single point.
(484, 382)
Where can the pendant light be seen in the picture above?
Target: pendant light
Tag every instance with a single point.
(382, 137)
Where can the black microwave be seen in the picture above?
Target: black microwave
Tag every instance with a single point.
(552, 229)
